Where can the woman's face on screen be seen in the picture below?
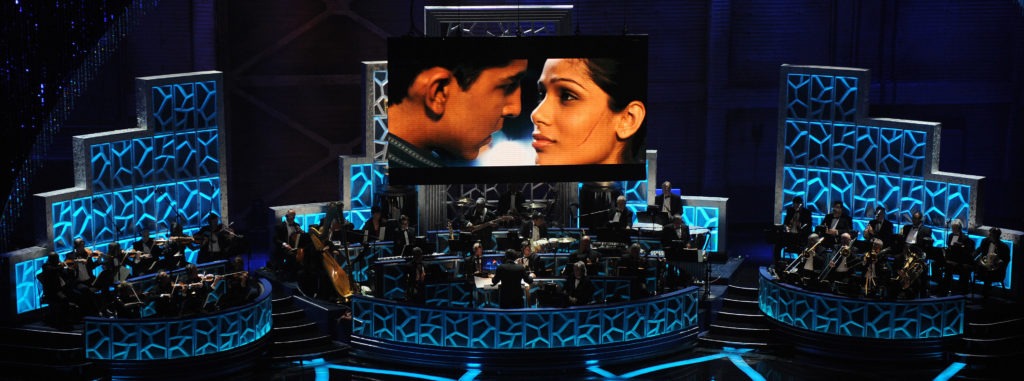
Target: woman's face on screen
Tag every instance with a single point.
(572, 124)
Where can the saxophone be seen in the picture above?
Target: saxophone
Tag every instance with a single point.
(912, 269)
(869, 273)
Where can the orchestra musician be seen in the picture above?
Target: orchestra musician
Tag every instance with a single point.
(174, 249)
(239, 289)
(478, 218)
(475, 263)
(403, 237)
(879, 227)
(667, 202)
(534, 229)
(874, 268)
(992, 258)
(634, 267)
(620, 217)
(675, 236)
(148, 249)
(286, 241)
(55, 277)
(916, 235)
(534, 265)
(213, 240)
(810, 262)
(578, 286)
(509, 275)
(958, 259)
(835, 223)
(842, 263)
(585, 254)
(374, 229)
(796, 226)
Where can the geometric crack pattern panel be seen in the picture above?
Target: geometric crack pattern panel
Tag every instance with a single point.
(379, 112)
(27, 290)
(827, 314)
(162, 339)
(381, 319)
(831, 152)
(166, 170)
(704, 216)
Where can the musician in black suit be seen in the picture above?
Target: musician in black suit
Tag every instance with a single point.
(374, 229)
(634, 267)
(534, 265)
(993, 256)
(835, 224)
(585, 254)
(668, 202)
(796, 226)
(403, 237)
(620, 217)
(475, 263)
(286, 236)
(509, 275)
(675, 236)
(213, 240)
(879, 227)
(534, 229)
(579, 287)
(916, 234)
(958, 259)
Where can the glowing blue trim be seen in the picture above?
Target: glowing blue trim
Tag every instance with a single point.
(600, 372)
(676, 364)
(470, 374)
(950, 371)
(743, 366)
(387, 372)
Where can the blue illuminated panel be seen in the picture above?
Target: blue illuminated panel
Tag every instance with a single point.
(703, 216)
(165, 339)
(147, 178)
(379, 319)
(29, 291)
(831, 315)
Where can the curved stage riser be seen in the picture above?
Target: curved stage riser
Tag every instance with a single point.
(449, 336)
(834, 326)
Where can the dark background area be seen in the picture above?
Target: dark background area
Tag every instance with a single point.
(294, 86)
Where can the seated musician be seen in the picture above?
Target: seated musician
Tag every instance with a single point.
(585, 254)
(879, 227)
(403, 237)
(578, 286)
(374, 228)
(194, 291)
(842, 263)
(667, 202)
(875, 271)
(534, 229)
(916, 234)
(174, 251)
(166, 294)
(796, 224)
(54, 278)
(475, 263)
(620, 217)
(834, 224)
(993, 256)
(810, 262)
(238, 289)
(958, 259)
(675, 236)
(286, 243)
(509, 275)
(213, 240)
(634, 267)
(149, 251)
(530, 260)
(416, 277)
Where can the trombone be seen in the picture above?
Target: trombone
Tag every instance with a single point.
(807, 253)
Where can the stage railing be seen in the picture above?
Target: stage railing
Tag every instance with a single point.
(931, 318)
(175, 338)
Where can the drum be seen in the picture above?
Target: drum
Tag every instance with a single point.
(543, 245)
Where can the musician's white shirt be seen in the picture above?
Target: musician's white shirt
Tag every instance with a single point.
(912, 235)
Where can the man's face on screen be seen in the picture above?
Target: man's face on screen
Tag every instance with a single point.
(473, 114)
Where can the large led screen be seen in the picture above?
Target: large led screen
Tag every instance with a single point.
(523, 109)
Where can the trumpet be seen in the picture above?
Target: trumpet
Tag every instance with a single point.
(807, 253)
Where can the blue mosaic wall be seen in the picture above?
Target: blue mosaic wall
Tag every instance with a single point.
(378, 319)
(127, 180)
(166, 339)
(827, 314)
(832, 152)
(29, 291)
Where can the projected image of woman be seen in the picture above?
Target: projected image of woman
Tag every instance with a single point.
(591, 111)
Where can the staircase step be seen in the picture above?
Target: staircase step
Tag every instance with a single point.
(741, 291)
(739, 302)
(51, 338)
(297, 326)
(736, 329)
(739, 316)
(719, 340)
(298, 344)
(294, 313)
(282, 302)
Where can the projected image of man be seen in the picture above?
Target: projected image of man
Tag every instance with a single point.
(442, 113)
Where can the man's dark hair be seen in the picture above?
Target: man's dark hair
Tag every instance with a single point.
(624, 83)
(466, 66)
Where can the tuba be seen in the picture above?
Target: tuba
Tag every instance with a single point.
(911, 270)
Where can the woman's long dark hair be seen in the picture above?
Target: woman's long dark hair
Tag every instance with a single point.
(623, 83)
